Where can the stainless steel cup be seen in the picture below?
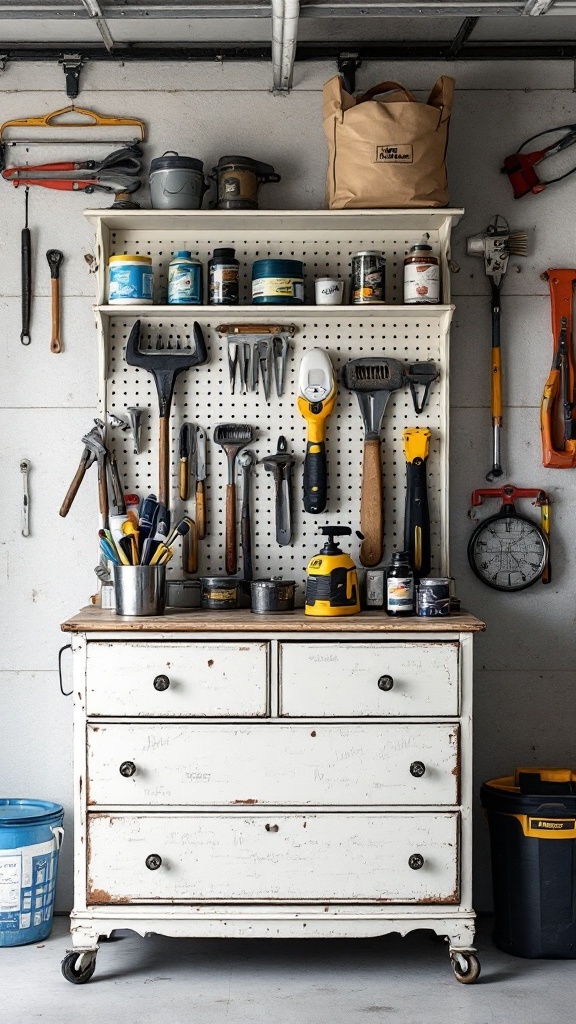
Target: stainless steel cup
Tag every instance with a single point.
(140, 589)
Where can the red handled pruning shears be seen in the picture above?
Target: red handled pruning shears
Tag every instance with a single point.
(520, 166)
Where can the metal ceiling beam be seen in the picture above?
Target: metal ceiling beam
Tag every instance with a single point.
(95, 14)
(404, 51)
(314, 9)
(285, 15)
(537, 7)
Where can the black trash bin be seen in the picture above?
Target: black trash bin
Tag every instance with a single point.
(532, 821)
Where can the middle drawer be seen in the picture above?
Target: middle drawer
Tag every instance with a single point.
(281, 765)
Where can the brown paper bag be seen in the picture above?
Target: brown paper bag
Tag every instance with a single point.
(388, 151)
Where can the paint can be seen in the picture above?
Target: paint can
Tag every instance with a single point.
(329, 291)
(421, 275)
(368, 278)
(185, 284)
(238, 179)
(434, 597)
(31, 835)
(223, 278)
(272, 596)
(130, 280)
(278, 282)
(219, 593)
(176, 182)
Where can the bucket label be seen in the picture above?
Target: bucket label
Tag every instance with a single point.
(394, 155)
(552, 824)
(27, 885)
(10, 882)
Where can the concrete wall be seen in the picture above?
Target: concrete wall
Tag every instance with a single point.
(525, 694)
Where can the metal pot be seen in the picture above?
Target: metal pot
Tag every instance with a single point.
(273, 596)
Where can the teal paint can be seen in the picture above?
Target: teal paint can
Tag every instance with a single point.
(31, 835)
(278, 282)
(185, 280)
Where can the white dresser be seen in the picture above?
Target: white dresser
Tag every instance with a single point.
(243, 775)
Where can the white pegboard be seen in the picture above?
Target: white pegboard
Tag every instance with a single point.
(203, 397)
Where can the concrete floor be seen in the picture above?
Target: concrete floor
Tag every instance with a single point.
(170, 981)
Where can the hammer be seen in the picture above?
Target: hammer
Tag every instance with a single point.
(165, 367)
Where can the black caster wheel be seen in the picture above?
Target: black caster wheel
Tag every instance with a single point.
(466, 967)
(70, 972)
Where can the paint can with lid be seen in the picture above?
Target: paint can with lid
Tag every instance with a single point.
(368, 278)
(272, 596)
(434, 597)
(421, 275)
(185, 284)
(278, 282)
(176, 182)
(130, 280)
(238, 179)
(219, 593)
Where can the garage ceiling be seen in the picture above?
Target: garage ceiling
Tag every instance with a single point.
(287, 30)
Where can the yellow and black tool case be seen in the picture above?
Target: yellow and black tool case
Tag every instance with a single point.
(532, 822)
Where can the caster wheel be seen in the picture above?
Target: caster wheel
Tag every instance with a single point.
(466, 967)
(72, 974)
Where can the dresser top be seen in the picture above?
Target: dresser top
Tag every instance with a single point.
(195, 620)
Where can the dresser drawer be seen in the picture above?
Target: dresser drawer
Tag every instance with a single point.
(204, 679)
(286, 857)
(369, 679)
(276, 765)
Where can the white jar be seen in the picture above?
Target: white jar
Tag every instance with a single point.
(328, 291)
(421, 276)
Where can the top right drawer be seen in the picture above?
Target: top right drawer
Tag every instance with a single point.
(341, 680)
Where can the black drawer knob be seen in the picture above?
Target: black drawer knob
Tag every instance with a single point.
(272, 828)
(153, 861)
(416, 861)
(417, 769)
(127, 768)
(385, 683)
(161, 683)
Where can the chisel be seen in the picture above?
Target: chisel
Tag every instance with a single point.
(200, 475)
(417, 516)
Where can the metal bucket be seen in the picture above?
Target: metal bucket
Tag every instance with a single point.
(176, 182)
(140, 589)
(270, 596)
(219, 593)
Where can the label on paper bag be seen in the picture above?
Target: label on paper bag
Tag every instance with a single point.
(394, 155)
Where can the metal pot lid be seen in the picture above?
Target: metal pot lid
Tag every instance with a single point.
(273, 584)
(171, 160)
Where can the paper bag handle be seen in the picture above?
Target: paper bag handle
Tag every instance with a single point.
(385, 87)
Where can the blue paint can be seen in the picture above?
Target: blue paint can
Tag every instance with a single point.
(31, 835)
(278, 282)
(130, 280)
(185, 279)
(434, 597)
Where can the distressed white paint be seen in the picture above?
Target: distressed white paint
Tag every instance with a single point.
(306, 765)
(341, 680)
(316, 857)
(525, 675)
(204, 679)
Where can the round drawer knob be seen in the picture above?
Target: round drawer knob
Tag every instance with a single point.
(127, 768)
(161, 683)
(416, 861)
(272, 828)
(385, 683)
(417, 769)
(153, 861)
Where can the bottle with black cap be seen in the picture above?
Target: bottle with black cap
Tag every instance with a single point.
(223, 278)
(400, 585)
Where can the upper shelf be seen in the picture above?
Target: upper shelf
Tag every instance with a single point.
(272, 313)
(279, 220)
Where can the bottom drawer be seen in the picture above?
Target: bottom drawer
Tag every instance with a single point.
(384, 858)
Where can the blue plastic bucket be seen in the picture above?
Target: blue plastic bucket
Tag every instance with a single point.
(31, 835)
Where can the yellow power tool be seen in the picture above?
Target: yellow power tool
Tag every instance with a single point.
(332, 583)
(316, 397)
(417, 516)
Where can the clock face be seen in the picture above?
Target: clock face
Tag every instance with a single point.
(508, 552)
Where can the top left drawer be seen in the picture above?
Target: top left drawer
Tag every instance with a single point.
(177, 679)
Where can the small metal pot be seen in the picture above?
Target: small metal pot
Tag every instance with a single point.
(219, 593)
(272, 596)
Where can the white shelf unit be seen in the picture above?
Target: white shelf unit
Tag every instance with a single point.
(325, 242)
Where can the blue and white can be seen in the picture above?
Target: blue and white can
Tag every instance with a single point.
(130, 280)
(434, 597)
(185, 280)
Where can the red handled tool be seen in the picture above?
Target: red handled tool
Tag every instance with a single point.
(520, 166)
